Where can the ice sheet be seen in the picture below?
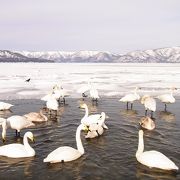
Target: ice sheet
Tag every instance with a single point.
(110, 79)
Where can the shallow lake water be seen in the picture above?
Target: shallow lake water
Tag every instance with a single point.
(110, 156)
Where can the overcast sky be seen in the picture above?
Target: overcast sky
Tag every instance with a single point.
(106, 25)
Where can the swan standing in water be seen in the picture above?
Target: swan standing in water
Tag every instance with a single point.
(15, 122)
(92, 119)
(167, 98)
(36, 117)
(153, 159)
(130, 98)
(147, 123)
(52, 104)
(66, 153)
(5, 106)
(19, 150)
(93, 93)
(149, 104)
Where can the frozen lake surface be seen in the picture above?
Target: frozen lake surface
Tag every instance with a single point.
(110, 79)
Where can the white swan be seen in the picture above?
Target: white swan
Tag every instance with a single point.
(5, 106)
(66, 153)
(153, 158)
(15, 122)
(130, 98)
(167, 98)
(52, 104)
(147, 123)
(92, 119)
(84, 89)
(19, 150)
(59, 92)
(96, 129)
(36, 117)
(149, 104)
(93, 93)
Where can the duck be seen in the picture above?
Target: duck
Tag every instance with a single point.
(16, 150)
(149, 104)
(91, 119)
(36, 116)
(15, 122)
(167, 98)
(153, 159)
(5, 106)
(67, 153)
(130, 98)
(147, 123)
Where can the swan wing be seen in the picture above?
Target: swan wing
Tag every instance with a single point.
(129, 98)
(63, 154)
(13, 151)
(19, 122)
(92, 119)
(166, 98)
(156, 159)
(5, 106)
(150, 104)
(83, 89)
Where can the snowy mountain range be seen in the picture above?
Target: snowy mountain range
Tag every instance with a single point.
(163, 55)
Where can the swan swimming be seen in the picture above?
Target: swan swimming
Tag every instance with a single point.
(149, 104)
(95, 129)
(67, 153)
(15, 122)
(167, 98)
(5, 106)
(153, 159)
(130, 98)
(16, 150)
(36, 117)
(147, 123)
(92, 119)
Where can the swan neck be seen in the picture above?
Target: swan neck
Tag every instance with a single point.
(86, 112)
(78, 139)
(140, 145)
(4, 127)
(28, 148)
(42, 115)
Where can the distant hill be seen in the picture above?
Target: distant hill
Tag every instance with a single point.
(163, 55)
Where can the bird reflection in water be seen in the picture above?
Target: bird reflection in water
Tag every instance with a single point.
(143, 172)
(167, 116)
(129, 113)
(24, 163)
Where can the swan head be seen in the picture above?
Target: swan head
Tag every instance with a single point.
(144, 98)
(84, 127)
(83, 106)
(30, 136)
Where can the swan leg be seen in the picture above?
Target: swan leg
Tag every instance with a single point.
(127, 105)
(151, 114)
(146, 112)
(16, 133)
(165, 108)
(131, 106)
(63, 100)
